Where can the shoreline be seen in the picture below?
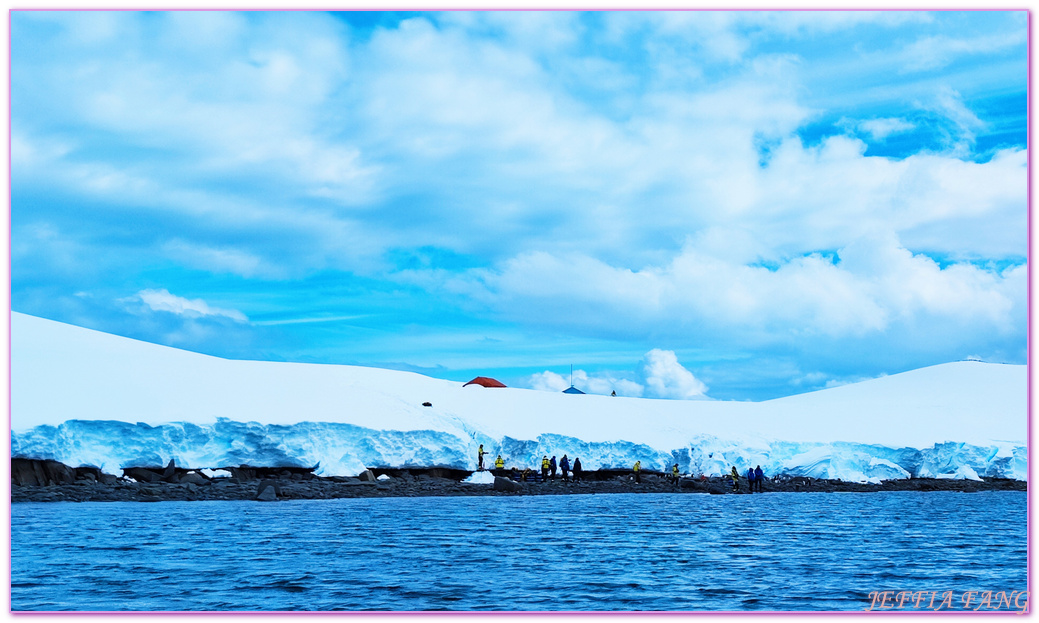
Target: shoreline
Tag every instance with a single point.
(54, 484)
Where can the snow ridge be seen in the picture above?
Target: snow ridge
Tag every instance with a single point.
(88, 398)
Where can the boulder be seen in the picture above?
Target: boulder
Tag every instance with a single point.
(268, 491)
(192, 478)
(505, 484)
(266, 494)
(367, 476)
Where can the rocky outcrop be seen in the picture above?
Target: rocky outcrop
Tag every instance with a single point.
(50, 481)
(36, 472)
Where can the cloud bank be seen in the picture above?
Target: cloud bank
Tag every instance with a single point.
(658, 375)
(840, 194)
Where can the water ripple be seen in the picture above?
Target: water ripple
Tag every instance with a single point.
(567, 553)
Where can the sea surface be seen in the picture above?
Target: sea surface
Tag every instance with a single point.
(670, 552)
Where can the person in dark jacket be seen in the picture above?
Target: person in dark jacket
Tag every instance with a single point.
(759, 477)
(578, 472)
(552, 466)
(564, 466)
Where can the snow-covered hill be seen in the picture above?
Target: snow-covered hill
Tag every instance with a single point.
(84, 397)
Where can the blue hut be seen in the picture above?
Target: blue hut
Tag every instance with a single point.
(572, 389)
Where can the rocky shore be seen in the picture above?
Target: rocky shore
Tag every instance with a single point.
(50, 481)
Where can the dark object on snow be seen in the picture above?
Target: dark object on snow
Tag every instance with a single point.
(427, 404)
(485, 381)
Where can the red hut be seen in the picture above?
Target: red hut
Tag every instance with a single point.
(485, 381)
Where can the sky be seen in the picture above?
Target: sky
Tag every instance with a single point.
(680, 205)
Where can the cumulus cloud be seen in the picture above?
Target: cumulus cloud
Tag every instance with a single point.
(657, 375)
(666, 378)
(597, 174)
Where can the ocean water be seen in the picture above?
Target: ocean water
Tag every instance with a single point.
(670, 552)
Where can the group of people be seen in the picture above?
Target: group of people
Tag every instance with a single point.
(549, 467)
(754, 478)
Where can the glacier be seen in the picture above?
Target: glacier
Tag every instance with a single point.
(344, 449)
(87, 398)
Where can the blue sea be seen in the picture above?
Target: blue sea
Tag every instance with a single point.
(661, 552)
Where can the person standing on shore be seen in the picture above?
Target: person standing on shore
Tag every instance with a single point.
(735, 479)
(577, 468)
(750, 479)
(564, 466)
(638, 471)
(479, 459)
(544, 468)
(499, 463)
(759, 477)
(674, 475)
(552, 466)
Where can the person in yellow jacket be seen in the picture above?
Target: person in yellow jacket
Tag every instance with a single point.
(735, 479)
(499, 463)
(638, 471)
(545, 466)
(479, 458)
(674, 474)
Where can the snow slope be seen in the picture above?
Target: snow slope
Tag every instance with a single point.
(85, 397)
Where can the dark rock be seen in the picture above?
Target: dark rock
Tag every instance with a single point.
(505, 484)
(141, 474)
(193, 478)
(367, 476)
(87, 472)
(37, 472)
(268, 491)
(170, 473)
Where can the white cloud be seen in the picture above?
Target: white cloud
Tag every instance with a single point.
(605, 182)
(936, 51)
(882, 128)
(666, 378)
(658, 375)
(162, 300)
(863, 290)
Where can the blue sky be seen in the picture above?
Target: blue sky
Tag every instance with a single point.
(730, 205)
